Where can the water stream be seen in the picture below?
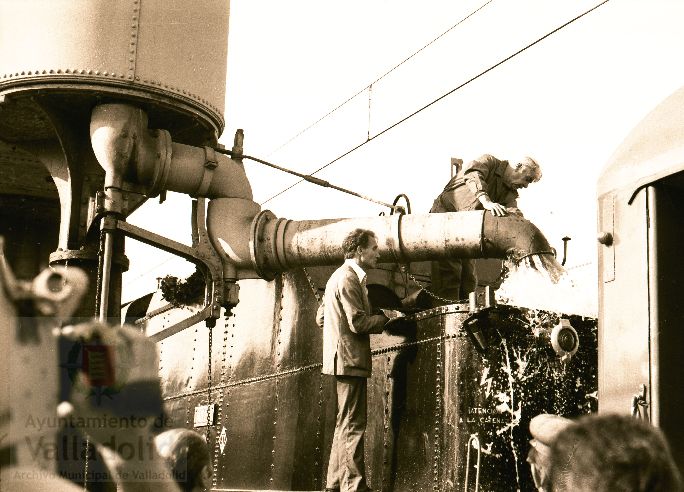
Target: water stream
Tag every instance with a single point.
(540, 282)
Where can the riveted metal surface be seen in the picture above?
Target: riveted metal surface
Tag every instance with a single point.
(247, 460)
(225, 438)
(414, 389)
(252, 351)
(178, 357)
(294, 443)
(277, 458)
(301, 340)
(113, 48)
(429, 394)
(220, 399)
(494, 398)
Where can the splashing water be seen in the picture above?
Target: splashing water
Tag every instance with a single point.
(540, 282)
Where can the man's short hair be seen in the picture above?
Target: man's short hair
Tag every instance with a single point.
(602, 453)
(356, 238)
(532, 165)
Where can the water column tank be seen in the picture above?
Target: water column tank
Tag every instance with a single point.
(167, 56)
(61, 58)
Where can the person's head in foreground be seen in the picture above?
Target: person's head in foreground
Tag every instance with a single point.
(600, 453)
(187, 455)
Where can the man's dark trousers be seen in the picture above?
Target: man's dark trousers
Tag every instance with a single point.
(346, 468)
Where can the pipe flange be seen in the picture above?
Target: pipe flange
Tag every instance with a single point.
(210, 164)
(278, 244)
(65, 256)
(162, 167)
(256, 238)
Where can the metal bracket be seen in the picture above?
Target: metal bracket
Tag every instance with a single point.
(477, 324)
(210, 163)
(202, 254)
(131, 201)
(211, 262)
(565, 249)
(640, 404)
(481, 298)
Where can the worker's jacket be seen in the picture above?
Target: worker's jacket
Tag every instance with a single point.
(347, 322)
(481, 176)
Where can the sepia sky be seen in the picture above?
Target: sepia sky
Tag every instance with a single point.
(415, 83)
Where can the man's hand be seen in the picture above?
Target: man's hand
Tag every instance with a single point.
(391, 314)
(495, 208)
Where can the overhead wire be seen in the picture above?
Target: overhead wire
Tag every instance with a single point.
(460, 86)
(310, 179)
(368, 86)
(323, 183)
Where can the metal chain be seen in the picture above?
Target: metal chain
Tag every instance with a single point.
(98, 279)
(473, 442)
(279, 322)
(429, 292)
(387, 447)
(319, 457)
(443, 300)
(156, 312)
(85, 466)
(314, 289)
(219, 417)
(580, 265)
(209, 412)
(319, 453)
(227, 386)
(190, 382)
(310, 367)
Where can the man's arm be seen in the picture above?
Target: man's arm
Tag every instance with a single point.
(475, 177)
(476, 173)
(351, 298)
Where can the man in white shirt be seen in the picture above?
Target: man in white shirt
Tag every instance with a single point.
(347, 322)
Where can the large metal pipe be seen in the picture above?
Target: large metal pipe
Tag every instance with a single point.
(127, 150)
(252, 240)
(276, 245)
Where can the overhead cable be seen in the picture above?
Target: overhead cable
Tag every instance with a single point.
(367, 87)
(460, 86)
(311, 179)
